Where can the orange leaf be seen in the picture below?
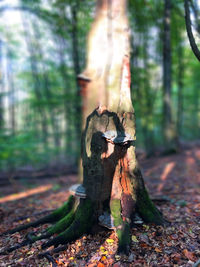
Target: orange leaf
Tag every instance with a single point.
(144, 245)
(189, 255)
(158, 250)
(103, 258)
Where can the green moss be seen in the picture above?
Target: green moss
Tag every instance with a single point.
(122, 228)
(62, 224)
(115, 207)
(81, 224)
(124, 238)
(63, 210)
(59, 227)
(53, 217)
(147, 209)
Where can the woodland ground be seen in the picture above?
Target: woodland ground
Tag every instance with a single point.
(173, 180)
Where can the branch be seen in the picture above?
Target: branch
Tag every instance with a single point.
(193, 44)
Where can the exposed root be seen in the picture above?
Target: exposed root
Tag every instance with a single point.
(51, 218)
(19, 245)
(71, 226)
(53, 251)
(144, 205)
(49, 258)
(48, 254)
(82, 224)
(147, 210)
(122, 228)
(59, 227)
(33, 215)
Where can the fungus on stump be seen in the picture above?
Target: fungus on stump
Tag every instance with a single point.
(113, 190)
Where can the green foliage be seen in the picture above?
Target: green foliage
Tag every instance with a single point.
(40, 101)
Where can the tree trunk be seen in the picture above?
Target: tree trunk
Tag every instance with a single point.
(76, 64)
(169, 129)
(1, 87)
(36, 83)
(12, 100)
(111, 175)
(180, 84)
(113, 183)
(46, 86)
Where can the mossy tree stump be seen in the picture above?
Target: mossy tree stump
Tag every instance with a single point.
(111, 176)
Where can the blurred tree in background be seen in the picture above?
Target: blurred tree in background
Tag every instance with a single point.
(42, 50)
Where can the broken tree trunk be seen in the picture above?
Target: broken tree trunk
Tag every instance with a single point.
(111, 175)
(113, 190)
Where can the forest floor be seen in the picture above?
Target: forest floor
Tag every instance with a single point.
(173, 182)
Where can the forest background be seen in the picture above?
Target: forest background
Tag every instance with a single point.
(42, 50)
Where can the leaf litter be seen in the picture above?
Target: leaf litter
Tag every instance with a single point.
(176, 194)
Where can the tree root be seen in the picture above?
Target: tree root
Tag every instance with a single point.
(51, 218)
(122, 228)
(82, 224)
(32, 215)
(71, 226)
(48, 256)
(75, 218)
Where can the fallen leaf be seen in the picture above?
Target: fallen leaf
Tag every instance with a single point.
(103, 258)
(104, 252)
(100, 265)
(158, 250)
(110, 241)
(117, 257)
(189, 255)
(146, 226)
(134, 239)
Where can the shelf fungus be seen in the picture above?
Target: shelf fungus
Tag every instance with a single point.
(106, 220)
(78, 190)
(119, 138)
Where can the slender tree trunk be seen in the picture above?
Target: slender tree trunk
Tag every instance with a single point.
(36, 84)
(169, 131)
(12, 100)
(47, 88)
(1, 87)
(188, 24)
(180, 83)
(148, 100)
(76, 63)
(67, 104)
